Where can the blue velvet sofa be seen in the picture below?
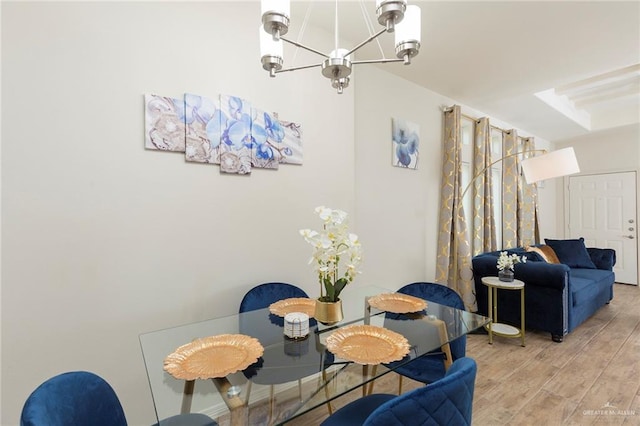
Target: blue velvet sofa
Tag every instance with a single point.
(558, 297)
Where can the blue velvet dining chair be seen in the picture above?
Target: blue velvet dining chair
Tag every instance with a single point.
(260, 297)
(81, 398)
(429, 368)
(448, 401)
(74, 398)
(263, 295)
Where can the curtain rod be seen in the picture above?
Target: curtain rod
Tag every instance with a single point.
(477, 120)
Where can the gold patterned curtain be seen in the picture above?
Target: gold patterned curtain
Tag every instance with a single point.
(528, 232)
(510, 187)
(484, 223)
(453, 262)
(519, 200)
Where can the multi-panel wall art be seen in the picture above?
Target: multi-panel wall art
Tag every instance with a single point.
(225, 130)
(406, 139)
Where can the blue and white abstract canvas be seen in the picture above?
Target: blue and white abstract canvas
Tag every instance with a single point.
(202, 117)
(236, 140)
(406, 141)
(291, 146)
(266, 136)
(164, 126)
(223, 130)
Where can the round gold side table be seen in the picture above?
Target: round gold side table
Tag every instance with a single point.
(495, 327)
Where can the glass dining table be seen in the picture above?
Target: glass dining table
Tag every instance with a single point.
(293, 377)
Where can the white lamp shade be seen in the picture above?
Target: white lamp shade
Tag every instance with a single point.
(269, 47)
(409, 29)
(554, 164)
(282, 7)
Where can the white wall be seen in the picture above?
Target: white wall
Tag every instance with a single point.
(608, 150)
(103, 240)
(399, 208)
(614, 150)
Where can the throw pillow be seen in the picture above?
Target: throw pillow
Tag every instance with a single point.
(572, 253)
(545, 252)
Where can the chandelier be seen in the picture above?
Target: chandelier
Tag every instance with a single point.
(394, 15)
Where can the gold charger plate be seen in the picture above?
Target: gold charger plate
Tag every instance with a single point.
(215, 356)
(397, 303)
(294, 304)
(368, 344)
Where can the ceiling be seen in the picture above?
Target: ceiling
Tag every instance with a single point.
(495, 56)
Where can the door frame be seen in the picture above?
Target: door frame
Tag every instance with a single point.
(567, 206)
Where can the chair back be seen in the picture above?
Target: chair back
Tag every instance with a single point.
(260, 297)
(263, 295)
(448, 401)
(442, 295)
(76, 398)
(272, 331)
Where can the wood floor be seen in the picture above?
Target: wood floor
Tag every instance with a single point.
(593, 377)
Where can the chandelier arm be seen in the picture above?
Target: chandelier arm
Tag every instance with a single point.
(384, 30)
(310, 49)
(302, 67)
(376, 61)
(337, 65)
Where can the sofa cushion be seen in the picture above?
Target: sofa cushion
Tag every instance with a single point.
(587, 283)
(572, 253)
(545, 252)
(603, 258)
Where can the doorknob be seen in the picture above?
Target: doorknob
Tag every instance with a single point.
(631, 237)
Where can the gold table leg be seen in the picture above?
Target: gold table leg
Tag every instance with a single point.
(522, 314)
(326, 390)
(365, 375)
(187, 396)
(237, 408)
(492, 315)
(446, 348)
(374, 370)
(444, 339)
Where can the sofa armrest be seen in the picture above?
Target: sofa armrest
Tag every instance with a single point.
(602, 258)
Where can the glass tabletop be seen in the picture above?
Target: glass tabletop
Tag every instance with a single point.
(292, 377)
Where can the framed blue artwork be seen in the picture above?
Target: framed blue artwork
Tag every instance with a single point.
(225, 130)
(405, 141)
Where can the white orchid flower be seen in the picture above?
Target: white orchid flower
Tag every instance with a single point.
(332, 245)
(506, 261)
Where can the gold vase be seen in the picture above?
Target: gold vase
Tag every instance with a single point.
(328, 313)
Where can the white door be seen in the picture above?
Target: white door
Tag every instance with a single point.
(602, 209)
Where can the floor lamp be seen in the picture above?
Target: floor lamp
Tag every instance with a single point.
(549, 165)
(554, 164)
